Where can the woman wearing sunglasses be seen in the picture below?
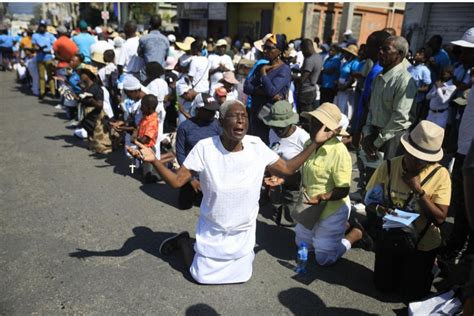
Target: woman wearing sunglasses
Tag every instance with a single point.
(268, 84)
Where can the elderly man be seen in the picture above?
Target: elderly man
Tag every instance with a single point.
(154, 46)
(393, 95)
(230, 168)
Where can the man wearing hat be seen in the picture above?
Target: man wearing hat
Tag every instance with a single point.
(84, 41)
(393, 96)
(219, 63)
(190, 132)
(287, 140)
(404, 186)
(43, 43)
(229, 82)
(154, 46)
(326, 178)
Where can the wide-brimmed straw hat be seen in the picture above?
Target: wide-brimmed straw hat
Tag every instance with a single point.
(186, 44)
(328, 114)
(281, 115)
(424, 141)
(351, 49)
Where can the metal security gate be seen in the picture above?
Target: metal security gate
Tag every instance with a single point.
(450, 20)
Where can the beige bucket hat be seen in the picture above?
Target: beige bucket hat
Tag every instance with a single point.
(328, 114)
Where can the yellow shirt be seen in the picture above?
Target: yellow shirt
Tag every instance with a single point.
(438, 190)
(327, 168)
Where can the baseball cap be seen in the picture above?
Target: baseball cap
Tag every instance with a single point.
(221, 42)
(205, 100)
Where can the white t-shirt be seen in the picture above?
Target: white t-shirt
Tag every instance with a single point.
(128, 57)
(159, 88)
(466, 129)
(101, 46)
(288, 147)
(215, 61)
(199, 70)
(230, 183)
(107, 107)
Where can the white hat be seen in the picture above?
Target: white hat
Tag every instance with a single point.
(221, 42)
(348, 32)
(130, 83)
(182, 86)
(118, 41)
(98, 30)
(467, 39)
(170, 63)
(259, 44)
(424, 141)
(171, 38)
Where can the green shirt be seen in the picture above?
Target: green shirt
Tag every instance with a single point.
(393, 95)
(327, 168)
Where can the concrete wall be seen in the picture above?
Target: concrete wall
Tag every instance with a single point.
(288, 19)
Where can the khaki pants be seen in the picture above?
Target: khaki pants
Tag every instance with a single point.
(46, 68)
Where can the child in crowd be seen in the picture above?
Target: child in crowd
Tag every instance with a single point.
(220, 94)
(439, 97)
(229, 82)
(422, 75)
(147, 134)
(159, 88)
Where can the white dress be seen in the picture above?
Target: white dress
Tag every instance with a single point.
(225, 232)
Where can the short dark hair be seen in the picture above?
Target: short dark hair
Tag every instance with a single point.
(306, 44)
(130, 27)
(80, 56)
(196, 46)
(149, 101)
(109, 55)
(155, 22)
(154, 69)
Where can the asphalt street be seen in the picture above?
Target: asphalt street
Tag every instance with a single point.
(58, 199)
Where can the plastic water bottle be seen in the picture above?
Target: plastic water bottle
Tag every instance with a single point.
(302, 258)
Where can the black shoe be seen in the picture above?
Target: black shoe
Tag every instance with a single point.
(170, 244)
(366, 243)
(41, 96)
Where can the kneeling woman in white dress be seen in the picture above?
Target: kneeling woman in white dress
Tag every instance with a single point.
(231, 169)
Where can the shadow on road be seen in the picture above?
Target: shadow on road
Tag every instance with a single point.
(71, 140)
(144, 239)
(303, 302)
(277, 241)
(201, 310)
(162, 192)
(344, 272)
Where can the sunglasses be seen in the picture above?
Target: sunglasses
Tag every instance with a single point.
(268, 47)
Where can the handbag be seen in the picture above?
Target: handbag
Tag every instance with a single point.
(307, 215)
(402, 240)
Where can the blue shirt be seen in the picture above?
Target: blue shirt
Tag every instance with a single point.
(190, 132)
(6, 40)
(347, 68)
(73, 80)
(84, 42)
(154, 47)
(329, 81)
(441, 61)
(422, 76)
(45, 43)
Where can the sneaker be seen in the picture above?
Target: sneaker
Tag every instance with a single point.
(72, 123)
(58, 106)
(366, 242)
(170, 244)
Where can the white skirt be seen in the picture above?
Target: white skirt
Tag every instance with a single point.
(207, 270)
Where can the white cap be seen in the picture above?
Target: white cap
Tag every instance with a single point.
(221, 42)
(467, 39)
(348, 32)
(98, 29)
(130, 83)
(171, 38)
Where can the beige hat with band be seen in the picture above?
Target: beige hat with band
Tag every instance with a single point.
(328, 114)
(424, 141)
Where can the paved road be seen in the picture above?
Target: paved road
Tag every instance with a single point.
(57, 197)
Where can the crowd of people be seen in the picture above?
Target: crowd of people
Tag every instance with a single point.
(233, 122)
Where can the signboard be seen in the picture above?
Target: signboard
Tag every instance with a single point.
(193, 11)
(217, 11)
(105, 15)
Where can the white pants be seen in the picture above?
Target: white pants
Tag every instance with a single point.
(221, 271)
(327, 237)
(345, 101)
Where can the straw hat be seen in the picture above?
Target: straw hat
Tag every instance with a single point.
(281, 115)
(246, 46)
(351, 49)
(221, 42)
(259, 44)
(424, 141)
(328, 114)
(186, 44)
